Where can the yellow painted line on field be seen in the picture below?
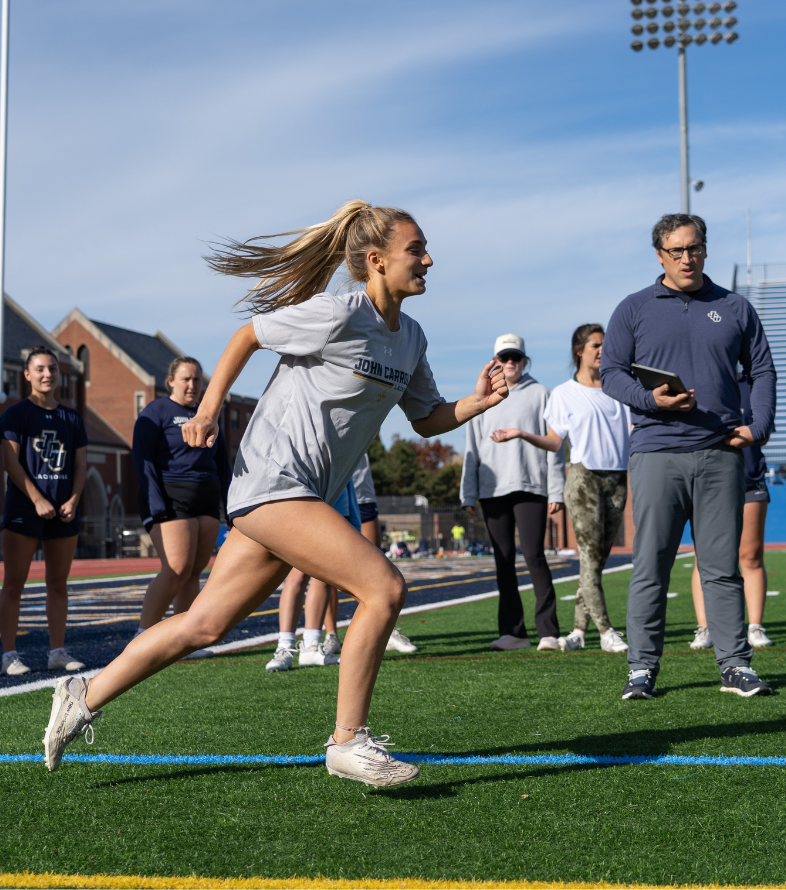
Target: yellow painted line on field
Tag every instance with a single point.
(129, 882)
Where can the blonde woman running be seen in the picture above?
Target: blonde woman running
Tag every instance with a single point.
(345, 362)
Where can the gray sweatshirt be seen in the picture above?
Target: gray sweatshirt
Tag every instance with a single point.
(493, 469)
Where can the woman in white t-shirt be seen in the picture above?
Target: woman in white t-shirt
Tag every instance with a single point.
(598, 430)
(346, 360)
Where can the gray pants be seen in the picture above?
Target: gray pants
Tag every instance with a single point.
(596, 502)
(706, 487)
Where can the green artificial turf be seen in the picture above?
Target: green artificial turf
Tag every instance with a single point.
(649, 824)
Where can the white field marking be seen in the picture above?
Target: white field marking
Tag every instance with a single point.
(773, 593)
(570, 596)
(672, 595)
(253, 642)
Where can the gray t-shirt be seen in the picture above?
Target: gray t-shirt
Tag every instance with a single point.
(363, 482)
(340, 374)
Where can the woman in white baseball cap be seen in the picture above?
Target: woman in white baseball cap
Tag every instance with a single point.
(518, 486)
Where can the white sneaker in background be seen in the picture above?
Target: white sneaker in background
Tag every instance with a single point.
(70, 717)
(574, 640)
(611, 641)
(702, 639)
(313, 655)
(60, 660)
(365, 759)
(548, 643)
(400, 643)
(756, 636)
(13, 665)
(331, 645)
(507, 643)
(282, 660)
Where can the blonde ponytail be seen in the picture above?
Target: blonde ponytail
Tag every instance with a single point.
(293, 273)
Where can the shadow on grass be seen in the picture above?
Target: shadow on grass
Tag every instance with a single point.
(168, 774)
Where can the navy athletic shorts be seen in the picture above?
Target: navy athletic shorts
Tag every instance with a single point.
(759, 493)
(185, 500)
(43, 529)
(368, 511)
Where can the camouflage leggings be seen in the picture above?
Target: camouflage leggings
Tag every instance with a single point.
(596, 501)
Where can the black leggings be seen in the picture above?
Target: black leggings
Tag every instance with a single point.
(528, 512)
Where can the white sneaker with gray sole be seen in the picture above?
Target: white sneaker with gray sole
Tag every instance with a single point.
(314, 655)
(702, 639)
(757, 638)
(574, 640)
(13, 665)
(282, 660)
(70, 717)
(365, 759)
(60, 660)
(611, 641)
(331, 644)
(400, 643)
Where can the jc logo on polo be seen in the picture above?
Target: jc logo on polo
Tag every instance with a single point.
(51, 450)
(714, 315)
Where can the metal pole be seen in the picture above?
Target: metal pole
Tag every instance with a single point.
(3, 144)
(750, 265)
(684, 174)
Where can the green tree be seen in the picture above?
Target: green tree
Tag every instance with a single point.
(415, 467)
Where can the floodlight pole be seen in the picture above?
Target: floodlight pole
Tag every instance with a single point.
(683, 88)
(3, 143)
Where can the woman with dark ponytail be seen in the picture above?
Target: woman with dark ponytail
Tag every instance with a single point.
(346, 361)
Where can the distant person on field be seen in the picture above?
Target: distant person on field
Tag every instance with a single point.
(45, 457)
(597, 428)
(686, 459)
(180, 494)
(457, 533)
(754, 575)
(518, 485)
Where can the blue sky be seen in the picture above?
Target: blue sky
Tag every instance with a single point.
(534, 147)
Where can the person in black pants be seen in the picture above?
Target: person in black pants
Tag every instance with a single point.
(518, 486)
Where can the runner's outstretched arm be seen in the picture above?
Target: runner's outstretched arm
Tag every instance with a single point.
(202, 429)
(490, 390)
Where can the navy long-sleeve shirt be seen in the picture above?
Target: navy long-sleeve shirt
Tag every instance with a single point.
(701, 336)
(160, 453)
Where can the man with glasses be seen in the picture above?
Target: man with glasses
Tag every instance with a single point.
(686, 462)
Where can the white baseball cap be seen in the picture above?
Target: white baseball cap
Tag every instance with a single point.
(509, 343)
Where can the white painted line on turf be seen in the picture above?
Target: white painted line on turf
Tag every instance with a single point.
(671, 595)
(44, 684)
(262, 639)
(773, 593)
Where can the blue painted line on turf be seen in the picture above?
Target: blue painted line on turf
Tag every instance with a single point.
(430, 759)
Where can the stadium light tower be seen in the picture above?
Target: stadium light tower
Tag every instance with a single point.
(645, 14)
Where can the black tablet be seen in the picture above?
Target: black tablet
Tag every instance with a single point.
(651, 378)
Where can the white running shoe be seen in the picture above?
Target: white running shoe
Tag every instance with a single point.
(314, 655)
(60, 660)
(199, 653)
(70, 717)
(13, 665)
(331, 644)
(702, 640)
(365, 759)
(400, 643)
(282, 660)
(548, 643)
(611, 641)
(574, 640)
(507, 642)
(756, 636)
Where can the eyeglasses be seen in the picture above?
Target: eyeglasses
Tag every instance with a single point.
(510, 357)
(694, 250)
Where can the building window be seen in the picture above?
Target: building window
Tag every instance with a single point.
(249, 415)
(83, 354)
(11, 382)
(234, 419)
(139, 403)
(65, 386)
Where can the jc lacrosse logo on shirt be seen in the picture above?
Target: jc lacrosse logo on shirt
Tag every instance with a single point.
(51, 450)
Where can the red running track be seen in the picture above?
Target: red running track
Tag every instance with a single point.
(97, 568)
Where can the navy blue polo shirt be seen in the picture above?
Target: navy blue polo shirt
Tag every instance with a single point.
(701, 336)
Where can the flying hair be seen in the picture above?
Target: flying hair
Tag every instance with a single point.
(296, 271)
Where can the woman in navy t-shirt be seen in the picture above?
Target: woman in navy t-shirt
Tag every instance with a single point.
(180, 493)
(45, 455)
